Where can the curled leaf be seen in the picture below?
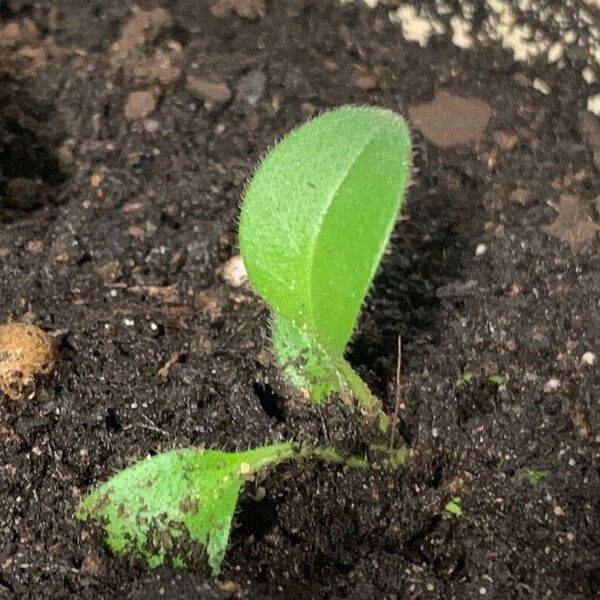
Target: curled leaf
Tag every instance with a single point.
(314, 223)
(166, 507)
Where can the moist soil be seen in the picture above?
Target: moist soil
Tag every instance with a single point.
(113, 237)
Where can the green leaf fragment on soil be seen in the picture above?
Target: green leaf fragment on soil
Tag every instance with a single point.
(156, 506)
(314, 223)
(453, 507)
(498, 379)
(466, 377)
(535, 477)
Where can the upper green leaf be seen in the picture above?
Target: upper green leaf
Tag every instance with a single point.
(156, 507)
(318, 213)
(316, 218)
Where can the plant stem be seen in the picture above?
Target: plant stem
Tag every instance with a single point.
(368, 402)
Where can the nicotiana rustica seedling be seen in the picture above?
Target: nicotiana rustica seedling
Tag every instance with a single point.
(315, 220)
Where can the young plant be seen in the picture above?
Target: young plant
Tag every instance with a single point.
(315, 220)
(314, 223)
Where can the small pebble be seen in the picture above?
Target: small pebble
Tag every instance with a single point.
(588, 358)
(480, 250)
(151, 125)
(551, 385)
(541, 86)
(558, 511)
(139, 104)
(234, 271)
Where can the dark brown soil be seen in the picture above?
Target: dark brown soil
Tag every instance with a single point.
(117, 208)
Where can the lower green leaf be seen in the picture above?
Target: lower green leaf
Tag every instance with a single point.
(168, 505)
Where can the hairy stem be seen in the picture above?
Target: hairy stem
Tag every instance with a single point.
(369, 404)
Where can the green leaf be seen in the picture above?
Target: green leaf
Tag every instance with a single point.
(453, 507)
(466, 377)
(535, 477)
(156, 507)
(498, 379)
(314, 223)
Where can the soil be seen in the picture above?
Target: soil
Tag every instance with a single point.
(116, 214)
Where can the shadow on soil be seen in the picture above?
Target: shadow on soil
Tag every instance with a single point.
(427, 260)
(30, 171)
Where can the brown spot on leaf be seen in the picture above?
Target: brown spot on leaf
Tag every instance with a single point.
(451, 120)
(188, 505)
(574, 224)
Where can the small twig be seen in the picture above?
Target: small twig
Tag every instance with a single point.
(398, 395)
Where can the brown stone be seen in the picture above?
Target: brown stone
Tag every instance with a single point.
(451, 120)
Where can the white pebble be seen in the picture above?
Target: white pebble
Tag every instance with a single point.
(541, 86)
(588, 358)
(481, 249)
(482, 591)
(551, 385)
(128, 322)
(151, 125)
(234, 272)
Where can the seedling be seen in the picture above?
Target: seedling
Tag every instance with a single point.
(315, 221)
(498, 379)
(453, 507)
(535, 477)
(465, 378)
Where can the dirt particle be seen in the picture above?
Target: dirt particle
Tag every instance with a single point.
(551, 385)
(91, 565)
(143, 28)
(151, 125)
(163, 372)
(589, 359)
(209, 304)
(110, 271)
(541, 86)
(25, 351)
(589, 128)
(307, 110)
(579, 422)
(480, 250)
(247, 9)
(364, 81)
(139, 104)
(211, 91)
(233, 272)
(451, 120)
(35, 246)
(558, 511)
(574, 224)
(506, 141)
(15, 33)
(251, 87)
